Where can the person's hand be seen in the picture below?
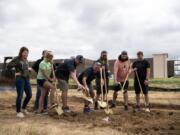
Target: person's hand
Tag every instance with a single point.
(80, 86)
(102, 82)
(146, 82)
(52, 79)
(30, 69)
(116, 83)
(135, 69)
(87, 89)
(103, 67)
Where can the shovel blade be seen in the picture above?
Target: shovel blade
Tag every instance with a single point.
(106, 119)
(147, 110)
(59, 110)
(102, 104)
(108, 111)
(89, 99)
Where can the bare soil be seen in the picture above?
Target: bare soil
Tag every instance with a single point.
(164, 118)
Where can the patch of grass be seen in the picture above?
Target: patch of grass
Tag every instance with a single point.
(19, 129)
(158, 82)
(167, 83)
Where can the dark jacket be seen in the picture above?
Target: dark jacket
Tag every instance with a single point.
(35, 66)
(21, 66)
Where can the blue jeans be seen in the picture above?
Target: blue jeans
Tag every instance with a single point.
(22, 85)
(38, 94)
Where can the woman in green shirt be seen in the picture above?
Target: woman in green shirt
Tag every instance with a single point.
(45, 81)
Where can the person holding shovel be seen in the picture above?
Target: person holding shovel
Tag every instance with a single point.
(35, 68)
(46, 81)
(63, 72)
(122, 69)
(99, 81)
(86, 78)
(22, 74)
(141, 79)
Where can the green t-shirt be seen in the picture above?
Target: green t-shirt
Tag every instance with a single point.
(46, 66)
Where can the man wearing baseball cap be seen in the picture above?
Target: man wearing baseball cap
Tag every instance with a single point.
(86, 78)
(64, 71)
(142, 74)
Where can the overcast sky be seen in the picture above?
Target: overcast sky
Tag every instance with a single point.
(70, 27)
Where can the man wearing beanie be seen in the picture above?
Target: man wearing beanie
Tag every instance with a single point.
(122, 69)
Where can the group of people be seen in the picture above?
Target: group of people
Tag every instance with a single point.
(47, 74)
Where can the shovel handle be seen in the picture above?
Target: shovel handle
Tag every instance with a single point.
(105, 84)
(57, 96)
(101, 77)
(140, 86)
(127, 76)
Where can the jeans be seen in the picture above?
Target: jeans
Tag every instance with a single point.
(22, 85)
(38, 94)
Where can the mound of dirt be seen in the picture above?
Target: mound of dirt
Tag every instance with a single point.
(155, 122)
(163, 119)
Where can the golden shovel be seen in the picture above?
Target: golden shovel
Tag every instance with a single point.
(58, 107)
(107, 109)
(89, 99)
(102, 103)
(146, 109)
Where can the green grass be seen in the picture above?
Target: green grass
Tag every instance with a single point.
(169, 82)
(162, 83)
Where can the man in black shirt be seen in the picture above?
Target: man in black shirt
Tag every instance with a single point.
(105, 66)
(86, 78)
(142, 67)
(64, 71)
(35, 68)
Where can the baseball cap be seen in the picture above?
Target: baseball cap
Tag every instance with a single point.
(80, 58)
(49, 54)
(140, 53)
(124, 53)
(97, 63)
(103, 52)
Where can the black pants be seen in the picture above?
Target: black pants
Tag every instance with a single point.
(145, 88)
(98, 86)
(119, 87)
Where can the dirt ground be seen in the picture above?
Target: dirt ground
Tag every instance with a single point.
(164, 118)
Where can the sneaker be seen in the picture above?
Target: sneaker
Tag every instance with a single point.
(66, 109)
(20, 115)
(147, 109)
(96, 106)
(126, 108)
(38, 113)
(87, 110)
(25, 111)
(113, 105)
(137, 108)
(35, 111)
(42, 113)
